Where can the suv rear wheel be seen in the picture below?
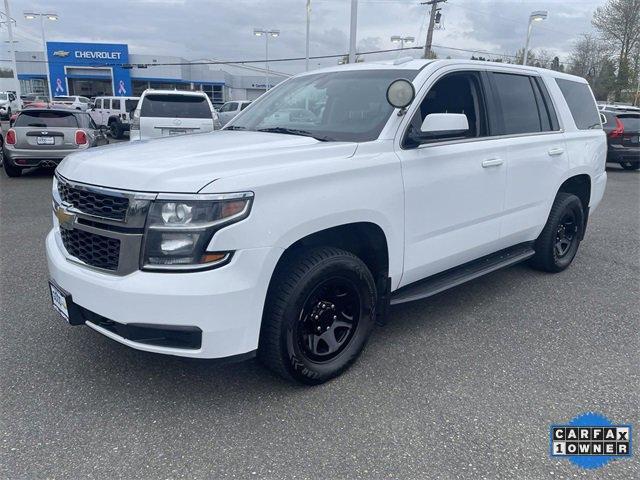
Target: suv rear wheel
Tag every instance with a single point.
(630, 165)
(319, 313)
(116, 129)
(558, 243)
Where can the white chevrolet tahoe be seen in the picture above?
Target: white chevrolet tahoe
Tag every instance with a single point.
(287, 236)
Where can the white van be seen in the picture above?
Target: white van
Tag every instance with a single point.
(163, 113)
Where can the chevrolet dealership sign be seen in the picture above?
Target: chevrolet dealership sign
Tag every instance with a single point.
(97, 55)
(70, 60)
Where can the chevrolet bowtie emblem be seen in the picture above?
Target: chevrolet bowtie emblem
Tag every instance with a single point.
(65, 218)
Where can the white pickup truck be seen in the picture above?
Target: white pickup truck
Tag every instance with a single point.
(339, 192)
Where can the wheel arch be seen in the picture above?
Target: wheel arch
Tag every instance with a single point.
(580, 186)
(366, 240)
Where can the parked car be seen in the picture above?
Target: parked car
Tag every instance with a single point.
(73, 101)
(115, 113)
(164, 113)
(28, 98)
(42, 137)
(231, 109)
(622, 127)
(9, 102)
(290, 241)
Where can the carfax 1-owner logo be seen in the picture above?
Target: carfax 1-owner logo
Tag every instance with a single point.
(591, 440)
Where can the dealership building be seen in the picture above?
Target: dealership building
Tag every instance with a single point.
(92, 69)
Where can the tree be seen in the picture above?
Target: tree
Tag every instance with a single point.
(556, 65)
(591, 58)
(619, 24)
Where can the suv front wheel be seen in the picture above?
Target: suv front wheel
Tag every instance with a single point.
(558, 243)
(319, 313)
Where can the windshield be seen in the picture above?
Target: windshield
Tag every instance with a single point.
(46, 119)
(346, 106)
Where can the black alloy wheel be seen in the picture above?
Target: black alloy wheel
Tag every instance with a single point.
(566, 234)
(328, 319)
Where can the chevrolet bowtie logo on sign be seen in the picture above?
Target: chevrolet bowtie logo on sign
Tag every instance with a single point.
(61, 53)
(65, 218)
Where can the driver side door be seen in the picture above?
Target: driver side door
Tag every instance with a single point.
(454, 183)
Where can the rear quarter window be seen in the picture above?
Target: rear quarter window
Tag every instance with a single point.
(581, 103)
(630, 122)
(46, 119)
(175, 106)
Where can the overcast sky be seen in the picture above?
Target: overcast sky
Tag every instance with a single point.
(222, 29)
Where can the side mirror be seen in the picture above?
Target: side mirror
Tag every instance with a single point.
(603, 119)
(445, 123)
(400, 93)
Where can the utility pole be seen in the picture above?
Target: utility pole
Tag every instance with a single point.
(14, 66)
(352, 32)
(432, 22)
(306, 60)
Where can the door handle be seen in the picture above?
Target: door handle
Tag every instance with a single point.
(555, 151)
(492, 162)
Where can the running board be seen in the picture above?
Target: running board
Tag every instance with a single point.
(459, 275)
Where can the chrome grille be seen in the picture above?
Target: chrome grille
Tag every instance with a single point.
(94, 203)
(94, 250)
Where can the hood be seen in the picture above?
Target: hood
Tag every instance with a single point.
(185, 164)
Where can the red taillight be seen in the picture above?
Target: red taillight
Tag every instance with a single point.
(81, 137)
(11, 137)
(618, 131)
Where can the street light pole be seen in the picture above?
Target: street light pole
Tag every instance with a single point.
(536, 16)
(306, 59)
(258, 32)
(52, 17)
(352, 31)
(14, 64)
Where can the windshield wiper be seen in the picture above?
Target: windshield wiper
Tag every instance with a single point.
(235, 127)
(293, 131)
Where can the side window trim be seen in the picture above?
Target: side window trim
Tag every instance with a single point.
(548, 104)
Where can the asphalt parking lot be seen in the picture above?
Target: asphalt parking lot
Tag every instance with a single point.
(462, 385)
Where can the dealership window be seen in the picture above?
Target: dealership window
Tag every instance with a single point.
(34, 85)
(213, 91)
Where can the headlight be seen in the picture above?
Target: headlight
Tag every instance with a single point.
(179, 228)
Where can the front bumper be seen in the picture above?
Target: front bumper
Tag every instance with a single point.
(225, 304)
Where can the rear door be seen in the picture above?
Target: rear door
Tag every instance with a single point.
(45, 130)
(537, 157)
(168, 114)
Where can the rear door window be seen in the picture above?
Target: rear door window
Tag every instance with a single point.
(581, 103)
(46, 119)
(106, 104)
(175, 106)
(517, 103)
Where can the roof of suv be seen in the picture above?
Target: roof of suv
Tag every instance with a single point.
(417, 64)
(175, 92)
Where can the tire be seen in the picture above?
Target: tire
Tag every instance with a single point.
(11, 170)
(630, 165)
(116, 130)
(557, 245)
(319, 313)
